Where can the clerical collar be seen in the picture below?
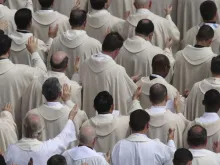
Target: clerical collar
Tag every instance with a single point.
(3, 58)
(213, 25)
(199, 46)
(154, 76)
(23, 31)
(85, 146)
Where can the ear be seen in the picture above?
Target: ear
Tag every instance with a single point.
(147, 126)
(189, 163)
(84, 24)
(112, 108)
(166, 99)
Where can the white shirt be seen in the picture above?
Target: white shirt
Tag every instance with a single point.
(57, 105)
(157, 110)
(207, 118)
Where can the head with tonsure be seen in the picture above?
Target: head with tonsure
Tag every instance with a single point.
(142, 4)
(208, 11)
(46, 4)
(77, 19)
(100, 4)
(59, 61)
(211, 101)
(87, 136)
(182, 156)
(145, 29)
(57, 160)
(205, 36)
(158, 95)
(23, 19)
(161, 65)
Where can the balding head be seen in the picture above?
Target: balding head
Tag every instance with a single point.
(32, 126)
(142, 4)
(158, 94)
(161, 65)
(145, 27)
(59, 61)
(87, 136)
(197, 137)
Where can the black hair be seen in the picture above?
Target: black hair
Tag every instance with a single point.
(112, 42)
(103, 102)
(158, 93)
(144, 27)
(5, 44)
(77, 18)
(182, 156)
(23, 18)
(197, 136)
(208, 10)
(98, 4)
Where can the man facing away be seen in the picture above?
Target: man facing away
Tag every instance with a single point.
(30, 145)
(85, 151)
(75, 42)
(182, 156)
(109, 128)
(209, 119)
(101, 73)
(208, 10)
(193, 61)
(52, 113)
(194, 107)
(138, 148)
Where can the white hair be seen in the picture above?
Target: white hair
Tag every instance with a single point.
(87, 135)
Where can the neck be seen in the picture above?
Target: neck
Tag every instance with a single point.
(143, 36)
(78, 28)
(57, 100)
(107, 53)
(202, 43)
(59, 70)
(160, 105)
(144, 132)
(4, 56)
(45, 8)
(158, 73)
(210, 21)
(216, 75)
(89, 146)
(198, 147)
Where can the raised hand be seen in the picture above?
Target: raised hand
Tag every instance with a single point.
(171, 134)
(32, 44)
(73, 112)
(8, 107)
(52, 33)
(137, 93)
(168, 9)
(66, 95)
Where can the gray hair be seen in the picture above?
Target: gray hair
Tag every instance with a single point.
(87, 135)
(141, 2)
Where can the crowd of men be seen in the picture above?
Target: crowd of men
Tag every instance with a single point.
(99, 82)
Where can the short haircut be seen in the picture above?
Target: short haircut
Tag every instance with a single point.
(112, 42)
(182, 156)
(197, 136)
(57, 160)
(212, 101)
(138, 120)
(215, 65)
(144, 27)
(205, 33)
(103, 102)
(159, 62)
(208, 10)
(51, 89)
(46, 3)
(158, 93)
(2, 32)
(62, 65)
(77, 18)
(5, 44)
(2, 160)
(98, 4)
(23, 18)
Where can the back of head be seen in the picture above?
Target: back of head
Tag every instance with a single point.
(144, 27)
(46, 3)
(77, 18)
(138, 120)
(2, 160)
(197, 136)
(158, 93)
(51, 89)
(205, 33)
(59, 61)
(212, 101)
(141, 2)
(112, 42)
(98, 4)
(182, 156)
(23, 18)
(57, 160)
(87, 136)
(5, 44)
(32, 126)
(103, 102)
(161, 65)
(215, 65)
(208, 10)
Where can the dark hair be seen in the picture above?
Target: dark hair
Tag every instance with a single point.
(205, 33)
(5, 44)
(57, 160)
(208, 10)
(112, 42)
(51, 89)
(103, 102)
(2, 32)
(62, 65)
(2, 160)
(182, 156)
(138, 120)
(98, 4)
(46, 3)
(23, 18)
(158, 93)
(160, 62)
(215, 65)
(197, 135)
(144, 27)
(212, 101)
(77, 18)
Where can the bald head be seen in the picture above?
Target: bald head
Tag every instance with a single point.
(32, 126)
(197, 136)
(158, 94)
(141, 2)
(87, 136)
(161, 65)
(59, 61)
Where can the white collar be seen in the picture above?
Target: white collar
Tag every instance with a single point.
(143, 11)
(55, 104)
(157, 109)
(82, 152)
(1, 5)
(102, 57)
(157, 76)
(212, 25)
(46, 11)
(29, 144)
(137, 137)
(209, 118)
(98, 12)
(200, 152)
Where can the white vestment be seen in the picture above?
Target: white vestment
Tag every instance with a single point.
(43, 19)
(81, 154)
(19, 4)
(101, 73)
(26, 148)
(14, 79)
(192, 65)
(76, 43)
(194, 106)
(7, 14)
(110, 129)
(138, 149)
(8, 130)
(19, 53)
(64, 7)
(204, 157)
(99, 23)
(32, 97)
(136, 57)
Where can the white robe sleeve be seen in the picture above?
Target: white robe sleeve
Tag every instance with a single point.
(29, 5)
(37, 62)
(174, 31)
(135, 104)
